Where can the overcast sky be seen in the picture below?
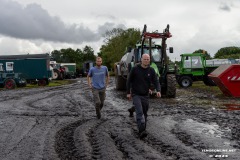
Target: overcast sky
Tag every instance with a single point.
(41, 26)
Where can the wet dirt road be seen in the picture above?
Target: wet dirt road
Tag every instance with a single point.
(60, 123)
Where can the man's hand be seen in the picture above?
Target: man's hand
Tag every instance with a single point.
(129, 96)
(158, 94)
(90, 86)
(150, 91)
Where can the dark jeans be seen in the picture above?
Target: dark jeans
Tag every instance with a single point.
(99, 97)
(141, 104)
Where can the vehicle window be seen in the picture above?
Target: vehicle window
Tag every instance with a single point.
(156, 54)
(196, 62)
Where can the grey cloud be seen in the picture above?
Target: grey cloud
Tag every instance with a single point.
(33, 22)
(224, 7)
(109, 26)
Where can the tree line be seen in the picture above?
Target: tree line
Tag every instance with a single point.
(114, 47)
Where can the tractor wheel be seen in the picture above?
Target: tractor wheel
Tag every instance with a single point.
(9, 84)
(119, 81)
(42, 82)
(171, 86)
(55, 74)
(185, 81)
(208, 82)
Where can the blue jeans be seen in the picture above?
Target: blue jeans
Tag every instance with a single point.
(141, 104)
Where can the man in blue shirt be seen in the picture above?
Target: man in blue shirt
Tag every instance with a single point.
(98, 79)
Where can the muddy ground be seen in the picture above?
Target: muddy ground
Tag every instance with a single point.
(60, 123)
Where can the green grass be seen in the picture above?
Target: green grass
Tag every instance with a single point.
(212, 89)
(201, 85)
(52, 83)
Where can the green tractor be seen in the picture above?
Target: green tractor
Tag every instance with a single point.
(9, 79)
(158, 57)
(195, 67)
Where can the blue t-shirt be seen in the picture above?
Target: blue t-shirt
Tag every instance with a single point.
(98, 76)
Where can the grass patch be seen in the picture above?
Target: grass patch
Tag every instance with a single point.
(52, 83)
(201, 85)
(215, 90)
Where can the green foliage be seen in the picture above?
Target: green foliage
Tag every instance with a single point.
(77, 56)
(228, 52)
(115, 44)
(208, 56)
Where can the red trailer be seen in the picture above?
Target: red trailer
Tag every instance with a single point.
(227, 78)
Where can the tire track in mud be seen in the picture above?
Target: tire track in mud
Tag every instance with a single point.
(167, 142)
(30, 144)
(78, 140)
(125, 135)
(18, 94)
(102, 139)
(64, 141)
(32, 102)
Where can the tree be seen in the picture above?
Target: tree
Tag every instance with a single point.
(228, 52)
(208, 56)
(56, 55)
(88, 54)
(115, 44)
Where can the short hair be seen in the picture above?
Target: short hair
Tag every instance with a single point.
(98, 58)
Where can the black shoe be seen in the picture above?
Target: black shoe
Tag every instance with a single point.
(98, 113)
(143, 134)
(130, 112)
(101, 106)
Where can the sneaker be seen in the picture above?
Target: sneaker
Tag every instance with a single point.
(143, 134)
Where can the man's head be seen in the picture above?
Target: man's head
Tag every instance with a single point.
(98, 61)
(145, 60)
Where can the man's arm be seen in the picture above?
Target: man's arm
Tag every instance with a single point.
(129, 83)
(156, 83)
(89, 78)
(107, 79)
(89, 81)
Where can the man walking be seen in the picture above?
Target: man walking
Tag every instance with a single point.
(98, 79)
(138, 84)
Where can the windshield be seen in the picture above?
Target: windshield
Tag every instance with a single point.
(156, 54)
(192, 62)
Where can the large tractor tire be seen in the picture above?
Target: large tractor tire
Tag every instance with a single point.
(208, 82)
(185, 81)
(56, 74)
(9, 84)
(171, 86)
(120, 81)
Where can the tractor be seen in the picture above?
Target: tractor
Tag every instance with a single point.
(9, 79)
(158, 57)
(195, 67)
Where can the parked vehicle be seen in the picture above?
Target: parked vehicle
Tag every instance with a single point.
(195, 67)
(158, 56)
(70, 70)
(34, 68)
(58, 71)
(86, 67)
(9, 79)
